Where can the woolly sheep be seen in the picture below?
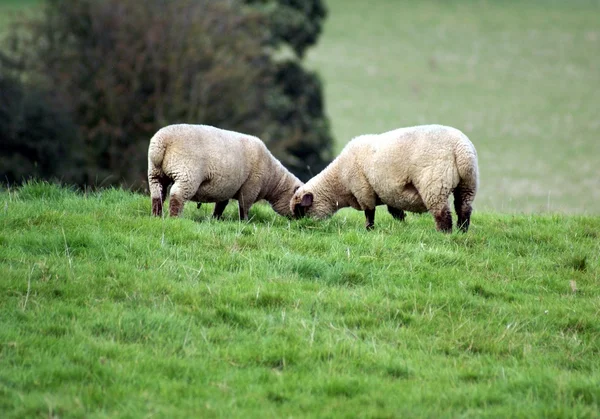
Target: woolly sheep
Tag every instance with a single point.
(410, 169)
(208, 164)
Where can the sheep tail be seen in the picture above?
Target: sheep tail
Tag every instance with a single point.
(464, 193)
(156, 151)
(468, 169)
(157, 180)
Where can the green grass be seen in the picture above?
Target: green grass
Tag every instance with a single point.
(520, 78)
(108, 312)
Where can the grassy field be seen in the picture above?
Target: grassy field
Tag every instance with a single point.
(520, 78)
(108, 312)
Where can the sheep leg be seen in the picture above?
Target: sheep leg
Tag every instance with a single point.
(246, 197)
(443, 219)
(219, 208)
(463, 197)
(157, 207)
(243, 213)
(181, 191)
(434, 191)
(158, 190)
(370, 216)
(176, 206)
(397, 213)
(243, 207)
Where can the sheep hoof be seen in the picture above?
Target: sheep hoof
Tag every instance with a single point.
(370, 226)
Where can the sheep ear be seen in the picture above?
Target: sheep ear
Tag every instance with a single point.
(307, 200)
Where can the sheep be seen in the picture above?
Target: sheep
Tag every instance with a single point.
(409, 169)
(208, 164)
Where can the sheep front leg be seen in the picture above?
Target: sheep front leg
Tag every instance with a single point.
(219, 208)
(397, 213)
(246, 198)
(370, 216)
(244, 209)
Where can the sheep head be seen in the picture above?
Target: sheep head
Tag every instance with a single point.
(301, 203)
(307, 202)
(280, 196)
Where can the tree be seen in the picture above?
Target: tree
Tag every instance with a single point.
(126, 68)
(297, 23)
(36, 133)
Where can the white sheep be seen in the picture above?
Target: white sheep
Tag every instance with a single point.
(410, 169)
(208, 164)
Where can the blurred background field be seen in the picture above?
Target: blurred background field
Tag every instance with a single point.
(520, 78)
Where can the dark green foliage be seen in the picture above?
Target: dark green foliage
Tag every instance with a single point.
(127, 68)
(301, 129)
(294, 22)
(36, 133)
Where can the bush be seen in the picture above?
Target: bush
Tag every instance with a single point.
(126, 68)
(36, 133)
(297, 23)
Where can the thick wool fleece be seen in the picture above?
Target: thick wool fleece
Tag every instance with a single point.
(208, 164)
(409, 169)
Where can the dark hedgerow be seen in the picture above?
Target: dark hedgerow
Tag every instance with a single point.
(36, 132)
(125, 68)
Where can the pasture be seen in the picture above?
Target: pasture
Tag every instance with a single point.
(108, 312)
(520, 78)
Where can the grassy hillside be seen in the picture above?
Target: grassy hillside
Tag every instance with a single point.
(108, 312)
(520, 78)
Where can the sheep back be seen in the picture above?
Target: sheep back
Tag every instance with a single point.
(413, 168)
(208, 164)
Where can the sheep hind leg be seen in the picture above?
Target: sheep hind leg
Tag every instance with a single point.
(180, 193)
(158, 191)
(219, 208)
(397, 213)
(443, 219)
(463, 199)
(435, 196)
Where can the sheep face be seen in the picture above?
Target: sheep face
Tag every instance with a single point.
(304, 204)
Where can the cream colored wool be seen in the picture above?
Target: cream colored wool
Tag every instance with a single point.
(208, 164)
(409, 169)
